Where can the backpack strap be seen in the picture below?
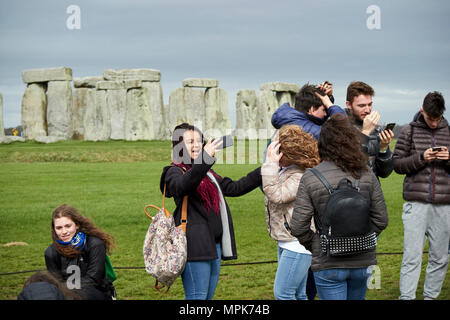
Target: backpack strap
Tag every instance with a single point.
(182, 226)
(322, 179)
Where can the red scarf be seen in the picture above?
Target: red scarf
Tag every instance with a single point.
(206, 189)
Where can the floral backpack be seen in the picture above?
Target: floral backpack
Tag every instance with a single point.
(165, 245)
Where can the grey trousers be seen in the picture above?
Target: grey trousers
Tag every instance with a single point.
(422, 220)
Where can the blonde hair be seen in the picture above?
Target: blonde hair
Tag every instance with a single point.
(298, 147)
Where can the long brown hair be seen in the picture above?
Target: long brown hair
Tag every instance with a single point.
(84, 224)
(339, 142)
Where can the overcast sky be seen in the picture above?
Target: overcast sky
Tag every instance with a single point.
(241, 43)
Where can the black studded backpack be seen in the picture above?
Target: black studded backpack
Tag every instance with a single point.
(344, 225)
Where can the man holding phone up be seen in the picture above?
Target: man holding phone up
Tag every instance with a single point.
(422, 153)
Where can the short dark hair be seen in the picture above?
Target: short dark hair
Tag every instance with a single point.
(306, 98)
(434, 104)
(357, 88)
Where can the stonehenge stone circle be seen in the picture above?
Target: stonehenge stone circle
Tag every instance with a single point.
(128, 104)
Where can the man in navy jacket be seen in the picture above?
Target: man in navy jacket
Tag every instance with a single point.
(313, 106)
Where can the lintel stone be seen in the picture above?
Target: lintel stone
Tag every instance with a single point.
(87, 82)
(200, 83)
(280, 87)
(133, 74)
(45, 75)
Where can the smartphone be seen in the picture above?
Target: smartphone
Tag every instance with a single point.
(390, 126)
(226, 141)
(436, 149)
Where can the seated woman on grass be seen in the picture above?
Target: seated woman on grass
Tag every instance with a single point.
(78, 254)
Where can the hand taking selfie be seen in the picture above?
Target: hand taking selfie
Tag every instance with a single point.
(212, 146)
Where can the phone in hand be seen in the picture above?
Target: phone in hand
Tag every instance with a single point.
(389, 126)
(226, 141)
(436, 149)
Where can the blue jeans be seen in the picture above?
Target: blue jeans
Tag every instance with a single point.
(200, 278)
(342, 284)
(292, 273)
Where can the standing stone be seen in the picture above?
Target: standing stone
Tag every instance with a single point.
(117, 104)
(176, 109)
(34, 109)
(59, 109)
(285, 97)
(138, 116)
(155, 98)
(2, 127)
(97, 123)
(216, 111)
(79, 109)
(83, 95)
(194, 107)
(266, 106)
(246, 111)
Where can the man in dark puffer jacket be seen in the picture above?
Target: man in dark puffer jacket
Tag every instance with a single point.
(426, 190)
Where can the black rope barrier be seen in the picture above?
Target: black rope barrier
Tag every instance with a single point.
(223, 265)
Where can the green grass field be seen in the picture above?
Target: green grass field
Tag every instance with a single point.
(111, 182)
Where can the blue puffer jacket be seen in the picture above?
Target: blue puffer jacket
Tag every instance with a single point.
(288, 115)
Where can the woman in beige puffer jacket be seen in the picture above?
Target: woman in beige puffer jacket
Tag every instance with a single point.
(281, 174)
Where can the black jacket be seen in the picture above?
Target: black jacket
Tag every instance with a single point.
(204, 229)
(91, 262)
(380, 163)
(426, 182)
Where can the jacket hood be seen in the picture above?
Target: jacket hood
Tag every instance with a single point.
(419, 121)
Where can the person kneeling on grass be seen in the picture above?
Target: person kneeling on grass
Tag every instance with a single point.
(209, 233)
(286, 160)
(78, 254)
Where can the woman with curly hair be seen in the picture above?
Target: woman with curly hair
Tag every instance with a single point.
(286, 160)
(338, 277)
(78, 254)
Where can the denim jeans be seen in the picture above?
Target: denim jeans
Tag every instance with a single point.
(200, 278)
(291, 276)
(342, 284)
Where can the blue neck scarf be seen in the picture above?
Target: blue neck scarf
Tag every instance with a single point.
(78, 241)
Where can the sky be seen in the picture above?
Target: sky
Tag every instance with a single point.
(401, 48)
